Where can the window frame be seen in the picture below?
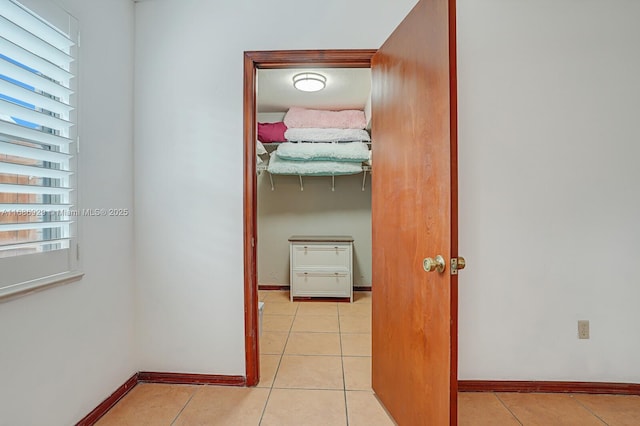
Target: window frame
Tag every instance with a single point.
(26, 273)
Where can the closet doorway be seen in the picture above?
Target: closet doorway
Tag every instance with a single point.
(313, 180)
(414, 209)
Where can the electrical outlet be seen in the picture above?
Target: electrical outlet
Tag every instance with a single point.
(583, 329)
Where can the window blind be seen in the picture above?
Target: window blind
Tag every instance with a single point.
(38, 140)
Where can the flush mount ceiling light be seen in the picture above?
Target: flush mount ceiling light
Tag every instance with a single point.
(309, 81)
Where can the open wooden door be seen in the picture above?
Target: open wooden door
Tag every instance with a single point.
(414, 215)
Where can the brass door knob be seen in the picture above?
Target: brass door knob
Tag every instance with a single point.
(437, 264)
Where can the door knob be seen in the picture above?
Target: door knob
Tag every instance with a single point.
(437, 264)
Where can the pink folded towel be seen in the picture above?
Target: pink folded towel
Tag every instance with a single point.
(304, 118)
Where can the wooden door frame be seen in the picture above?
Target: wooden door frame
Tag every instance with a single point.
(272, 59)
(453, 127)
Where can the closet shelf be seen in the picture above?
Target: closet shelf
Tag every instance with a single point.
(365, 169)
(315, 159)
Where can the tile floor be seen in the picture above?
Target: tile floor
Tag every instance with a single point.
(315, 368)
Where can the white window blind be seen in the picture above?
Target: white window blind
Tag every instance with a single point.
(38, 145)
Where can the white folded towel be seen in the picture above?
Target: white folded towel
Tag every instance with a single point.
(304, 151)
(325, 135)
(312, 168)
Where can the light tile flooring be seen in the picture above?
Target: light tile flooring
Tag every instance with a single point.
(315, 370)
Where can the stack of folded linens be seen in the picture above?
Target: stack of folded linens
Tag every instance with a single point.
(322, 143)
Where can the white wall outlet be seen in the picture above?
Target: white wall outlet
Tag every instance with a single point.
(583, 329)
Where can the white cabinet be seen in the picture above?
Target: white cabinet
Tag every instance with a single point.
(321, 266)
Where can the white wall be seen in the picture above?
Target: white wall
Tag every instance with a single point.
(317, 210)
(549, 206)
(270, 117)
(188, 160)
(65, 349)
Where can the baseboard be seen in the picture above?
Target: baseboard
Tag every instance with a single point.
(322, 299)
(272, 287)
(549, 387)
(190, 379)
(106, 405)
(286, 287)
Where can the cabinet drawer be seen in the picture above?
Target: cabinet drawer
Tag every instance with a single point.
(328, 284)
(321, 255)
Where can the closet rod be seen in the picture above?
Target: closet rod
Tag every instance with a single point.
(333, 179)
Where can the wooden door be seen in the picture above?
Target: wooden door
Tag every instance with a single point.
(414, 215)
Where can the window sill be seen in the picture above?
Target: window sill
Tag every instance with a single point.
(26, 288)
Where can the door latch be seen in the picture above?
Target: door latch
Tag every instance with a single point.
(457, 263)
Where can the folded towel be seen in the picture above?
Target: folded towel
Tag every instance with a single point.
(348, 151)
(313, 134)
(347, 119)
(278, 166)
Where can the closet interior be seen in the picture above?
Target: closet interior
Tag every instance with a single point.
(313, 186)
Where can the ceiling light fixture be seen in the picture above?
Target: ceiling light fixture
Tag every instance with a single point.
(309, 81)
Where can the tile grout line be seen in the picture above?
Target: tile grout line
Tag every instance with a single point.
(312, 389)
(266, 402)
(344, 381)
(185, 405)
(588, 409)
(275, 374)
(321, 355)
(507, 408)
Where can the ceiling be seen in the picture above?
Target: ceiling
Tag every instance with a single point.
(347, 88)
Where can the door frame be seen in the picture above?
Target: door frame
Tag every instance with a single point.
(271, 59)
